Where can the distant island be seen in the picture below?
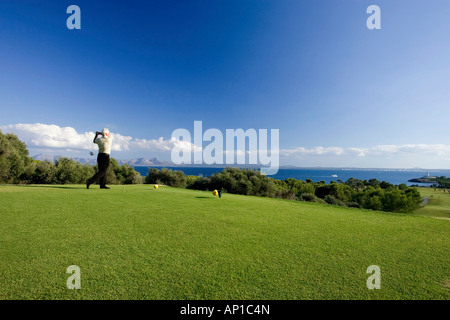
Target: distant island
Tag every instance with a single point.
(424, 179)
(438, 182)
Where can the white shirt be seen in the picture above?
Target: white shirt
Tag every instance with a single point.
(104, 144)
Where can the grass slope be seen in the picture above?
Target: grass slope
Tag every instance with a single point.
(135, 242)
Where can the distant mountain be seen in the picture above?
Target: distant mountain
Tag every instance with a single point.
(90, 161)
(146, 162)
(44, 157)
(93, 161)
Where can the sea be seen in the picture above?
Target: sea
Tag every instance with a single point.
(394, 176)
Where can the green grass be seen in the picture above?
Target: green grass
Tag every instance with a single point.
(438, 203)
(135, 242)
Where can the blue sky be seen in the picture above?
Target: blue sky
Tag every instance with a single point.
(338, 92)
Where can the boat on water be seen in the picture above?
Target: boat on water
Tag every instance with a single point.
(334, 175)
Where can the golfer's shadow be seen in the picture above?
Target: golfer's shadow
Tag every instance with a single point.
(50, 186)
(200, 197)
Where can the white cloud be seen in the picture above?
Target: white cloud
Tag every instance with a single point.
(39, 135)
(52, 137)
(438, 150)
(301, 151)
(380, 156)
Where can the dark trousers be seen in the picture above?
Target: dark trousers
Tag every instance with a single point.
(103, 164)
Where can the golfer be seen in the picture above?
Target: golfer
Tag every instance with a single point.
(104, 149)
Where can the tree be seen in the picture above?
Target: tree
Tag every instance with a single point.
(13, 158)
(44, 173)
(127, 175)
(69, 171)
(111, 177)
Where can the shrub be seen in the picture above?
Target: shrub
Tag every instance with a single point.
(307, 197)
(165, 176)
(335, 201)
(353, 204)
(190, 180)
(127, 175)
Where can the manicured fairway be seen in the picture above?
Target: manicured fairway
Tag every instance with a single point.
(438, 203)
(135, 242)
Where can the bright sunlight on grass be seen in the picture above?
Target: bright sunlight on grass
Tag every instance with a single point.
(136, 242)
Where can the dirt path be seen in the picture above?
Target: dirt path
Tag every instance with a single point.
(425, 201)
(441, 218)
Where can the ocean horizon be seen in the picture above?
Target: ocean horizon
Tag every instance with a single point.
(394, 176)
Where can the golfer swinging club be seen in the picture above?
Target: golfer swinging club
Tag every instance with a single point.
(104, 149)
